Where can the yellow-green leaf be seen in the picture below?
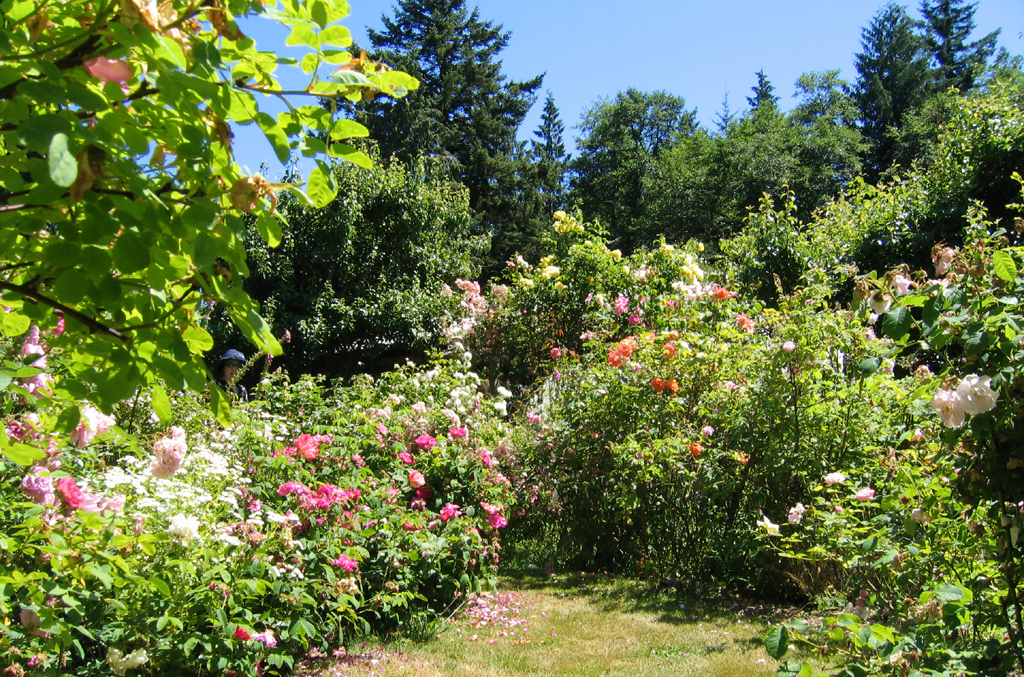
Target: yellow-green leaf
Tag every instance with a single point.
(198, 339)
(62, 164)
(162, 405)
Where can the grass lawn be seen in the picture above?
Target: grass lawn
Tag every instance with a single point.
(581, 625)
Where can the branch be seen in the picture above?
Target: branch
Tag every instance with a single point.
(93, 326)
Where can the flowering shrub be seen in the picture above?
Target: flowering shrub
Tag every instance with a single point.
(319, 514)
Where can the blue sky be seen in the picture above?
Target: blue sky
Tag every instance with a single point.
(702, 51)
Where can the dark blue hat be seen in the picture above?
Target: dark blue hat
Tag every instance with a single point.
(230, 355)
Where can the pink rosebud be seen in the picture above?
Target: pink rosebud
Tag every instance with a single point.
(405, 457)
(109, 70)
(556, 353)
(59, 329)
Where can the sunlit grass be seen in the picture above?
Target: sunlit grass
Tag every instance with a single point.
(579, 626)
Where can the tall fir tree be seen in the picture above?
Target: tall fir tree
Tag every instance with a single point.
(894, 78)
(550, 158)
(465, 110)
(948, 26)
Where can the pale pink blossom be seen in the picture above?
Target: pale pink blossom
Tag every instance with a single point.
(707, 431)
(976, 394)
(92, 423)
(789, 346)
(39, 488)
(901, 284)
(796, 513)
(942, 259)
(834, 478)
(267, 637)
(169, 453)
(879, 303)
(949, 406)
(621, 304)
(745, 323)
(865, 494)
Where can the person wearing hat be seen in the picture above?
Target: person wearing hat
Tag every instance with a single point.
(225, 372)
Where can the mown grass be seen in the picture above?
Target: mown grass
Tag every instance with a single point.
(583, 626)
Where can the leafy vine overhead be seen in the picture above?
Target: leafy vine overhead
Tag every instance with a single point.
(121, 205)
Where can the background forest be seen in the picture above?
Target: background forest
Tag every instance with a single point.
(643, 168)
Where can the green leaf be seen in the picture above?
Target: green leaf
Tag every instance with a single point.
(336, 35)
(22, 454)
(162, 405)
(350, 78)
(161, 586)
(270, 229)
(869, 365)
(794, 669)
(776, 642)
(198, 339)
(321, 186)
(62, 164)
(275, 135)
(896, 323)
(302, 34)
(950, 593)
(15, 324)
(348, 129)
(1003, 265)
(350, 154)
(130, 253)
(220, 406)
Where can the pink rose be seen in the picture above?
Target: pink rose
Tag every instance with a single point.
(425, 441)
(405, 457)
(449, 511)
(267, 637)
(69, 491)
(241, 633)
(497, 520)
(38, 487)
(458, 432)
(347, 563)
(556, 353)
(91, 424)
(789, 346)
(865, 494)
(416, 479)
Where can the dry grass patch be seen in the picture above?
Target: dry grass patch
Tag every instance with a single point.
(578, 626)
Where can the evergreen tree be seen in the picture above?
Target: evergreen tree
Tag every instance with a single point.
(550, 159)
(465, 109)
(894, 78)
(948, 25)
(764, 98)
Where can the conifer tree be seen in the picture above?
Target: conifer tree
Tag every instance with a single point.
(948, 26)
(550, 158)
(465, 110)
(894, 78)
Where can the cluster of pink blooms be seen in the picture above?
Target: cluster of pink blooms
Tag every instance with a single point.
(494, 516)
(307, 446)
(169, 454)
(449, 511)
(458, 431)
(345, 562)
(324, 497)
(92, 423)
(485, 457)
(40, 490)
(425, 441)
(745, 323)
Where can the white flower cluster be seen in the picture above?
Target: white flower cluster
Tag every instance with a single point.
(973, 396)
